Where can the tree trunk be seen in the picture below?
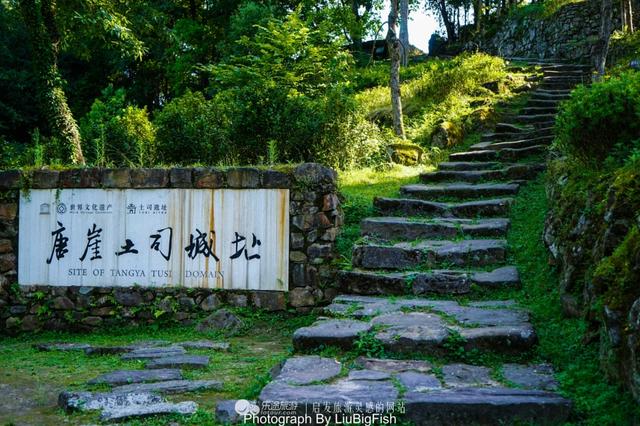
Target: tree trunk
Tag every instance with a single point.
(404, 31)
(601, 47)
(394, 52)
(448, 24)
(477, 13)
(45, 39)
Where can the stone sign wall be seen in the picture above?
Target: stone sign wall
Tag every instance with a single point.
(315, 217)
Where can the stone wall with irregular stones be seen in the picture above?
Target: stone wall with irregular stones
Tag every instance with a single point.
(581, 234)
(567, 35)
(315, 220)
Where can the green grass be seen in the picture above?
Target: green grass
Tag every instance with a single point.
(596, 402)
(39, 376)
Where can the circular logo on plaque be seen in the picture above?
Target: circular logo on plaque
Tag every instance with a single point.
(61, 208)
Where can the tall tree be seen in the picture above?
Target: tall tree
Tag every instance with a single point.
(477, 12)
(404, 31)
(601, 47)
(394, 52)
(40, 19)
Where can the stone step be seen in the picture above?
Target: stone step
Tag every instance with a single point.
(568, 73)
(171, 386)
(123, 377)
(538, 118)
(470, 165)
(459, 190)
(567, 68)
(179, 361)
(525, 143)
(471, 209)
(539, 132)
(537, 110)
(408, 229)
(508, 154)
(511, 172)
(571, 78)
(363, 282)
(431, 327)
(551, 93)
(544, 103)
(429, 253)
(553, 85)
(512, 128)
(315, 384)
(485, 406)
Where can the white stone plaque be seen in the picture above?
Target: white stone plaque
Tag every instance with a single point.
(222, 238)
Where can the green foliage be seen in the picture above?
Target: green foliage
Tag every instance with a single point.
(442, 91)
(289, 85)
(117, 134)
(191, 129)
(367, 344)
(601, 120)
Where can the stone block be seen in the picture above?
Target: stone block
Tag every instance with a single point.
(269, 300)
(10, 179)
(128, 297)
(149, 178)
(275, 179)
(7, 262)
(116, 178)
(81, 178)
(45, 179)
(330, 202)
(180, 177)
(63, 303)
(314, 173)
(8, 211)
(243, 177)
(207, 177)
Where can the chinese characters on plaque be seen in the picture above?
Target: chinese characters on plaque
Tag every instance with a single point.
(234, 239)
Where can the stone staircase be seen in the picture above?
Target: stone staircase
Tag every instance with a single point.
(443, 237)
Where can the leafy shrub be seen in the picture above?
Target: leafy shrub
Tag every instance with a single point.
(191, 129)
(601, 120)
(287, 96)
(117, 134)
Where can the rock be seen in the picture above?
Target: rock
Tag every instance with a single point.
(304, 370)
(84, 401)
(171, 386)
(407, 154)
(153, 352)
(238, 300)
(411, 332)
(447, 135)
(459, 190)
(210, 303)
(221, 320)
(302, 296)
(530, 376)
(463, 375)
(314, 173)
(65, 347)
(205, 344)
(128, 298)
(340, 333)
(269, 300)
(179, 361)
(123, 377)
(138, 411)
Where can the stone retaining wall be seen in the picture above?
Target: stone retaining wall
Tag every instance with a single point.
(315, 219)
(567, 35)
